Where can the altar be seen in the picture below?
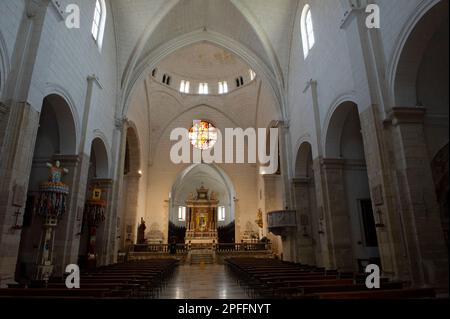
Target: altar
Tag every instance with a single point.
(201, 219)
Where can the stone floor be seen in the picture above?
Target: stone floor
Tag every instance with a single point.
(203, 282)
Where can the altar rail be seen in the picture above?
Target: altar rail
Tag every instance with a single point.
(244, 247)
(183, 249)
(158, 248)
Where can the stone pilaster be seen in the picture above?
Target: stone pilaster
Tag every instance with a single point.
(15, 168)
(419, 210)
(305, 206)
(131, 182)
(335, 219)
(117, 201)
(391, 243)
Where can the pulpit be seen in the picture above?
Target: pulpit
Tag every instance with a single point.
(201, 219)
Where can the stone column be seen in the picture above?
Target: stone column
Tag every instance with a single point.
(419, 210)
(335, 218)
(304, 206)
(131, 203)
(115, 237)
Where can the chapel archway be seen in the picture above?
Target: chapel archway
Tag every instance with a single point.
(98, 189)
(56, 141)
(130, 192)
(351, 211)
(308, 244)
(422, 80)
(188, 182)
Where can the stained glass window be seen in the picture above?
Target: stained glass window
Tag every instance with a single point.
(203, 135)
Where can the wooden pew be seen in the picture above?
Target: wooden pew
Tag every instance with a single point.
(411, 293)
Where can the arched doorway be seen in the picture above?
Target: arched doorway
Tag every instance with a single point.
(130, 191)
(56, 138)
(97, 194)
(308, 241)
(349, 186)
(215, 180)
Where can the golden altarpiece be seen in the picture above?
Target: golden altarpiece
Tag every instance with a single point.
(201, 219)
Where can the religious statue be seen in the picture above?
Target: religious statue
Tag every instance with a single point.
(56, 172)
(191, 196)
(213, 196)
(141, 233)
(259, 219)
(51, 205)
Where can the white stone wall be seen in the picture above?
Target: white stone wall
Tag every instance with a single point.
(64, 61)
(12, 12)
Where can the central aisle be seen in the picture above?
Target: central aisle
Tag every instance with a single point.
(203, 282)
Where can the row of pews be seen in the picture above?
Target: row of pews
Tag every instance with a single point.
(275, 279)
(140, 279)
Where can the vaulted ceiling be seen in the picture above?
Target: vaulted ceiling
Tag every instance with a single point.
(263, 27)
(204, 62)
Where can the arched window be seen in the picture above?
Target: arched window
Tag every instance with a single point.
(221, 214)
(185, 86)
(98, 25)
(203, 89)
(307, 30)
(182, 213)
(223, 87)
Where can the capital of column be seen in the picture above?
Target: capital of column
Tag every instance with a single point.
(332, 163)
(67, 160)
(121, 123)
(301, 181)
(105, 183)
(133, 176)
(35, 7)
(407, 115)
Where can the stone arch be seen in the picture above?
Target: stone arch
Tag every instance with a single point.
(99, 158)
(98, 173)
(308, 248)
(334, 123)
(413, 43)
(56, 89)
(56, 140)
(303, 164)
(347, 178)
(133, 148)
(64, 121)
(212, 177)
